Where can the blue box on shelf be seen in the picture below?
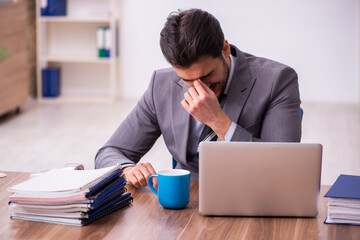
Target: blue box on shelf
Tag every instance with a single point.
(50, 82)
(53, 8)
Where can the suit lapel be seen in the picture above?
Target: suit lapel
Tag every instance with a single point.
(240, 87)
(181, 118)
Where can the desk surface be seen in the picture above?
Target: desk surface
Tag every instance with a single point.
(146, 219)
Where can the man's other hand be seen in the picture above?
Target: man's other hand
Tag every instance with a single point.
(138, 175)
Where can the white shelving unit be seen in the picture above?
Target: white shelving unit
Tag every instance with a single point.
(69, 42)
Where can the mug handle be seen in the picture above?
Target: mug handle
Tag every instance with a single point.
(151, 185)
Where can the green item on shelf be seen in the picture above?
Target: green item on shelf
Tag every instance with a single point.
(102, 53)
(101, 42)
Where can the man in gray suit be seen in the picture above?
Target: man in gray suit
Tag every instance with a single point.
(212, 86)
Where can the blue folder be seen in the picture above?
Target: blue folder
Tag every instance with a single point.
(50, 82)
(54, 8)
(346, 186)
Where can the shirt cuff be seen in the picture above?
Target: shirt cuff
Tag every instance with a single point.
(127, 165)
(230, 132)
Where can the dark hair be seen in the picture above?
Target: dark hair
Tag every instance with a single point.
(190, 34)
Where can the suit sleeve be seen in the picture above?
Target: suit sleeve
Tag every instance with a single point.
(135, 135)
(282, 118)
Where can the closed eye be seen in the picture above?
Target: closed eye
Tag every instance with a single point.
(201, 78)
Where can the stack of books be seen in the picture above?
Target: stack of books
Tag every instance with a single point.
(344, 203)
(75, 197)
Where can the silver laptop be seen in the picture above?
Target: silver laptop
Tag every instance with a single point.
(259, 179)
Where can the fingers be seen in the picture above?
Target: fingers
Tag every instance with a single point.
(191, 96)
(196, 94)
(193, 92)
(155, 182)
(138, 175)
(188, 98)
(185, 104)
(201, 87)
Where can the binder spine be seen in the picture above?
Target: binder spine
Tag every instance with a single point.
(105, 183)
(122, 204)
(100, 39)
(95, 181)
(101, 200)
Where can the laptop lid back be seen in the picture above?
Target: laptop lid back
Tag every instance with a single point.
(259, 179)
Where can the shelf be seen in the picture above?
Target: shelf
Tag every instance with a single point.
(77, 19)
(78, 99)
(70, 44)
(77, 59)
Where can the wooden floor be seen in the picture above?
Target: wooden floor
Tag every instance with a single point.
(50, 134)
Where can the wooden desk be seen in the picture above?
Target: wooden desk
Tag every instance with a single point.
(146, 219)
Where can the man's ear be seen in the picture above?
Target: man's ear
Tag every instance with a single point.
(226, 49)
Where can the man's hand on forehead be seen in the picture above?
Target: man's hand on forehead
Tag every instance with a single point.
(201, 102)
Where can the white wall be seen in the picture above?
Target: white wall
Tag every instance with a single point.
(318, 38)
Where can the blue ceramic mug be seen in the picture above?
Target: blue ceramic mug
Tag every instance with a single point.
(173, 188)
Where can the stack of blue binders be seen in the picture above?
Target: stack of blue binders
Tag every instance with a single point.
(103, 193)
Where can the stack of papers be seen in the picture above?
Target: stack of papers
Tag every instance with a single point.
(75, 197)
(344, 203)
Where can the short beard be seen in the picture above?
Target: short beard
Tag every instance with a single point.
(226, 73)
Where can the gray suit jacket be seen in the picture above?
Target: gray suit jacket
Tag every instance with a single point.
(263, 100)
